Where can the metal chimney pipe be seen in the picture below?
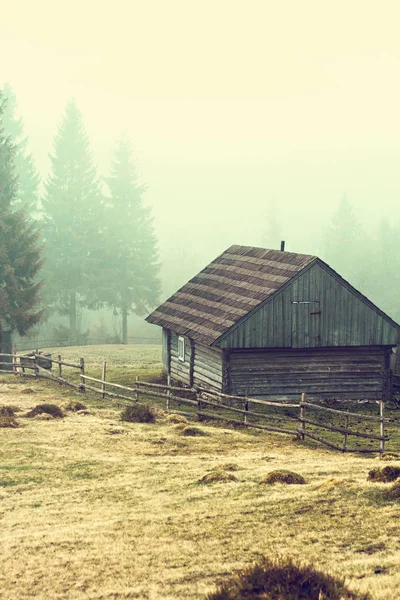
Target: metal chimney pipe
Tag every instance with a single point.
(282, 246)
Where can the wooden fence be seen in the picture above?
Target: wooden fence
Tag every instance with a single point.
(207, 404)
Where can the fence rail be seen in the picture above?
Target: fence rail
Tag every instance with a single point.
(207, 404)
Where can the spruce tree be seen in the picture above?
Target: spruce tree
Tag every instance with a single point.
(384, 268)
(72, 206)
(20, 250)
(344, 245)
(132, 266)
(27, 195)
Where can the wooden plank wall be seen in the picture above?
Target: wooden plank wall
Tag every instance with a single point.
(207, 367)
(180, 371)
(166, 342)
(345, 319)
(397, 361)
(344, 373)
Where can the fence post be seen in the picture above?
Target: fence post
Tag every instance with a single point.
(14, 359)
(168, 390)
(35, 365)
(346, 426)
(137, 392)
(246, 408)
(198, 393)
(82, 367)
(59, 366)
(103, 377)
(382, 428)
(302, 415)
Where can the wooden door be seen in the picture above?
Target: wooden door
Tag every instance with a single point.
(306, 324)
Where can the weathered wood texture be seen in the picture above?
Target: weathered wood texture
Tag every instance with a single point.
(180, 370)
(396, 360)
(166, 342)
(336, 316)
(207, 367)
(226, 290)
(344, 373)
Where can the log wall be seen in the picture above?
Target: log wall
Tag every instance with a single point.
(342, 373)
(207, 367)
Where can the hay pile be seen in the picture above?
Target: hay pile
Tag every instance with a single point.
(74, 406)
(282, 476)
(138, 413)
(217, 477)
(385, 474)
(175, 418)
(191, 431)
(283, 580)
(393, 493)
(49, 409)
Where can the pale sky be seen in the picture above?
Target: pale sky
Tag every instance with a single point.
(228, 104)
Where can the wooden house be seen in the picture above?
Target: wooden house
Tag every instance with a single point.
(274, 324)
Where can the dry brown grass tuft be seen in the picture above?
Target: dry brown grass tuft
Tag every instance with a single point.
(8, 421)
(74, 406)
(192, 431)
(50, 409)
(394, 492)
(7, 411)
(44, 417)
(28, 391)
(283, 476)
(389, 456)
(217, 477)
(384, 474)
(138, 413)
(175, 418)
(284, 579)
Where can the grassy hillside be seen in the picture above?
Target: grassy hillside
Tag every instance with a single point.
(92, 507)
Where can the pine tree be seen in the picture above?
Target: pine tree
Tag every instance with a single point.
(344, 245)
(27, 195)
(72, 207)
(384, 268)
(20, 251)
(133, 266)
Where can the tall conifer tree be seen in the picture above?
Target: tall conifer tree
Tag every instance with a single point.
(72, 207)
(133, 267)
(20, 251)
(27, 195)
(344, 244)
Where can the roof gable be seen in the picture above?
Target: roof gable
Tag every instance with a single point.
(234, 284)
(348, 317)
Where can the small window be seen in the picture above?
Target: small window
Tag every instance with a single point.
(181, 348)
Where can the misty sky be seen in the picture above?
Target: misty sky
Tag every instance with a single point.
(229, 105)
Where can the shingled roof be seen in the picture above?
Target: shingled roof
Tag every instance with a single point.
(235, 283)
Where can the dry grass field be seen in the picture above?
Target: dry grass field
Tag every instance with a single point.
(95, 508)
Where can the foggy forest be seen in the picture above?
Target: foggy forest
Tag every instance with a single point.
(138, 168)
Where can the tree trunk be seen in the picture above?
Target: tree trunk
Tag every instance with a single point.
(73, 330)
(124, 325)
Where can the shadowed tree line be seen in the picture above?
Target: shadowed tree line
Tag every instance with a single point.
(99, 245)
